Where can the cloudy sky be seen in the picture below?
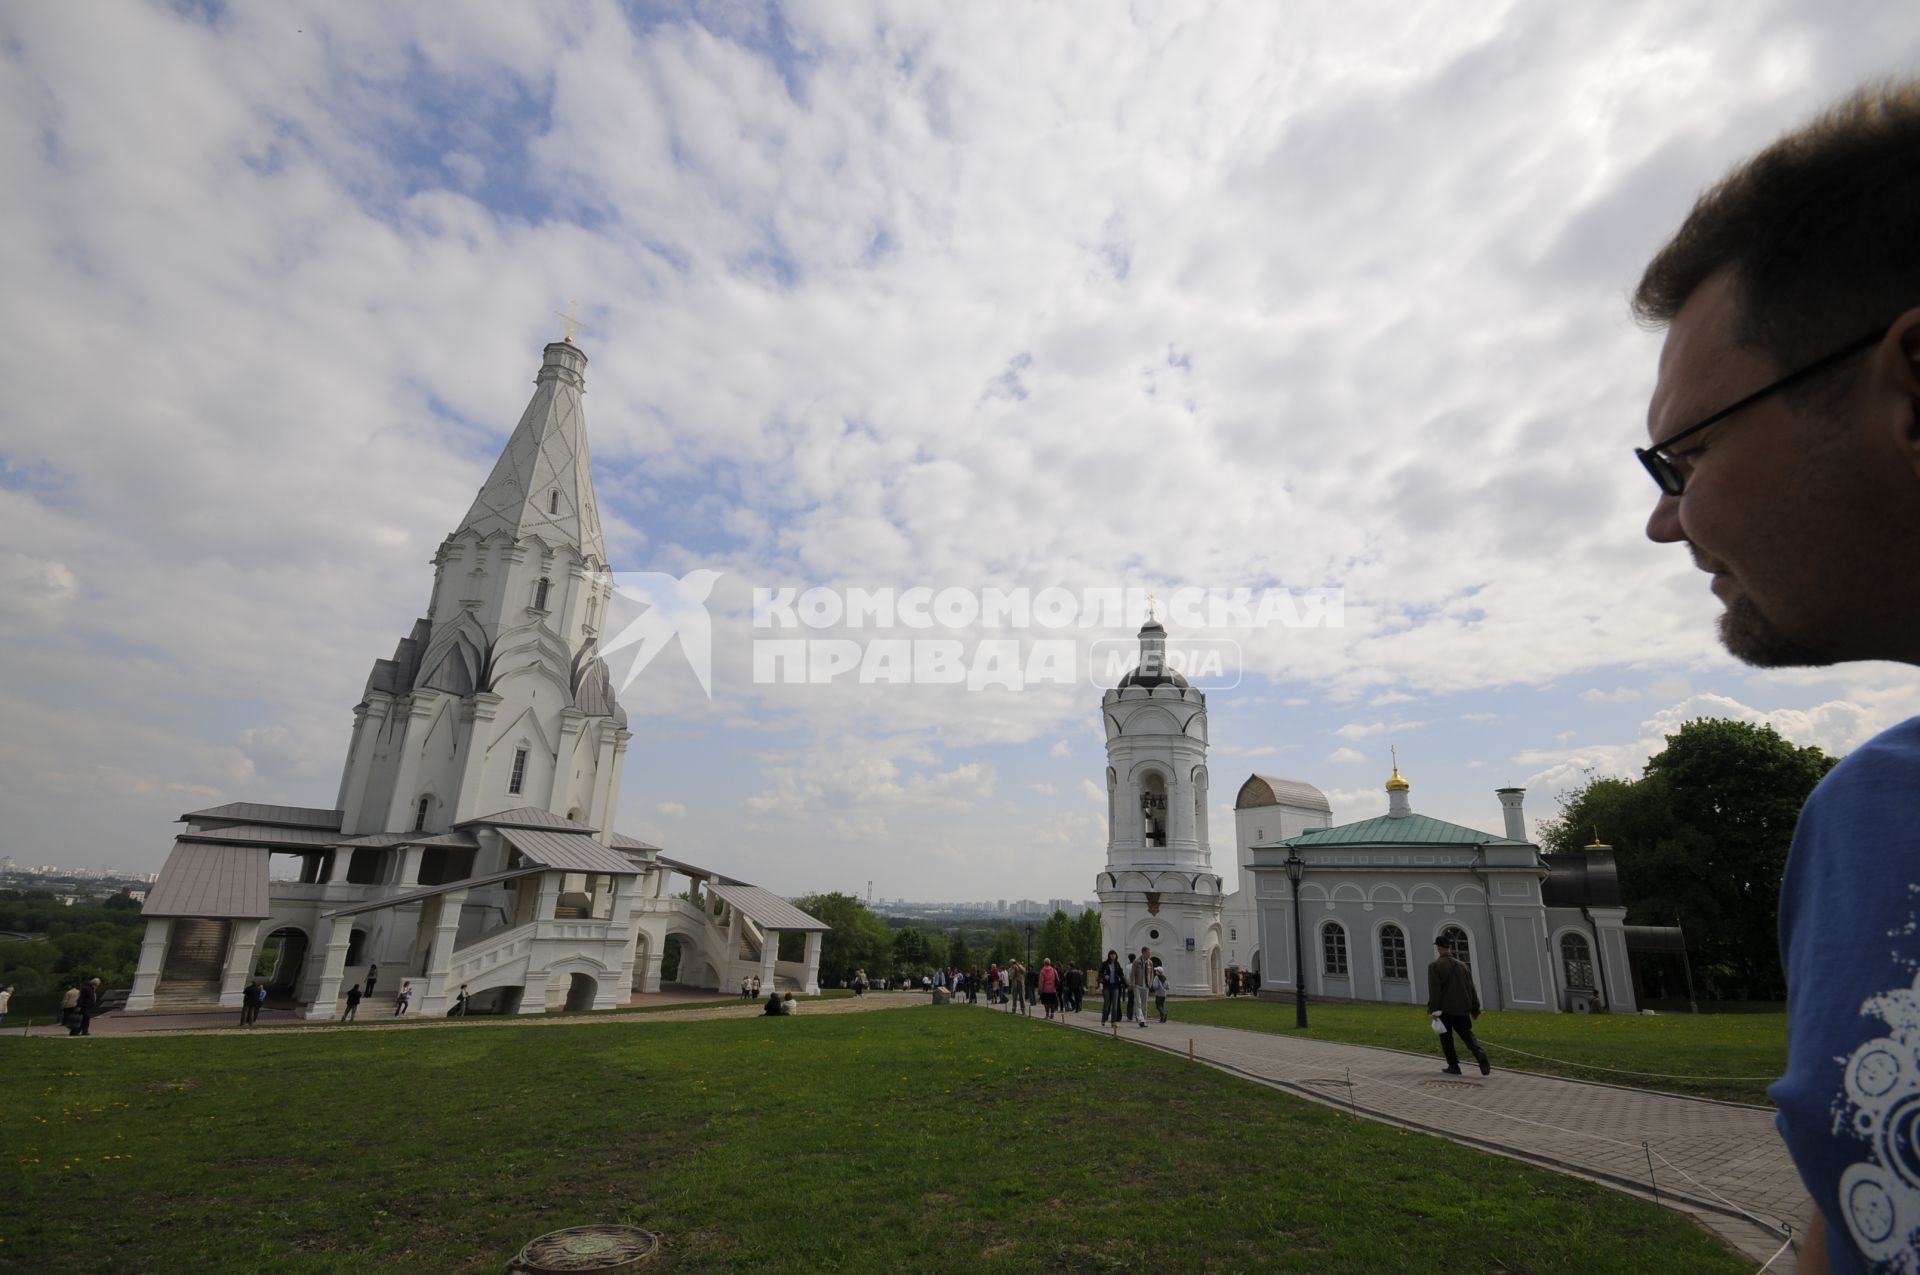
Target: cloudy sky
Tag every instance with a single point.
(949, 296)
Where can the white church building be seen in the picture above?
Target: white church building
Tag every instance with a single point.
(473, 842)
(1539, 932)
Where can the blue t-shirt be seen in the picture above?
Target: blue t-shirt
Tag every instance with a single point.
(1850, 940)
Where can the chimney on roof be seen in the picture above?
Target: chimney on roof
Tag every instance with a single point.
(1510, 799)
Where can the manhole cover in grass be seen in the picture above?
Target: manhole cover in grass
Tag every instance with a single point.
(1448, 1084)
(587, 1248)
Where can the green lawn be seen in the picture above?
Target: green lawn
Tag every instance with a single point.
(915, 1139)
(1715, 1045)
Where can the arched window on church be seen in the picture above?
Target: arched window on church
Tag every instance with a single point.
(1576, 958)
(540, 593)
(1456, 941)
(1393, 952)
(1333, 950)
(519, 775)
(420, 815)
(553, 501)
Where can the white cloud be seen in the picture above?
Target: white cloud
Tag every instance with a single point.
(1344, 755)
(1367, 730)
(670, 809)
(1061, 748)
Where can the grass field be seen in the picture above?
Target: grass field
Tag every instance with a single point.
(1712, 1045)
(911, 1139)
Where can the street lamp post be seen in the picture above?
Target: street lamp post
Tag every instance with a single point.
(1297, 868)
(1029, 942)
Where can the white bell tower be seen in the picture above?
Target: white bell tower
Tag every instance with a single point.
(1159, 889)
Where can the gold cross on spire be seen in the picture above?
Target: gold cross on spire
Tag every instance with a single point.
(572, 316)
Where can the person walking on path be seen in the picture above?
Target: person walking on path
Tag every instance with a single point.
(1453, 1002)
(249, 1004)
(459, 1009)
(89, 1005)
(1049, 986)
(1141, 985)
(353, 1003)
(373, 980)
(1111, 977)
(70, 1009)
(6, 999)
(400, 1001)
(1017, 978)
(1160, 992)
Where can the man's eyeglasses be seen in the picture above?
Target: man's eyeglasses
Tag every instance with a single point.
(1668, 471)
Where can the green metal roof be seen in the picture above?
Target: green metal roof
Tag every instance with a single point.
(1385, 830)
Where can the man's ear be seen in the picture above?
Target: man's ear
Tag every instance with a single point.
(1898, 362)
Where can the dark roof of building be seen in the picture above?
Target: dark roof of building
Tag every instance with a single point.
(218, 881)
(528, 817)
(567, 851)
(279, 816)
(264, 835)
(1388, 830)
(1581, 879)
(768, 910)
(1272, 790)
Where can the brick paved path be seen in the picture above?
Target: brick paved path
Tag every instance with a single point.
(1710, 1159)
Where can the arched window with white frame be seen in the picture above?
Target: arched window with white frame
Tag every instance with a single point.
(1456, 940)
(1333, 950)
(1393, 952)
(1576, 962)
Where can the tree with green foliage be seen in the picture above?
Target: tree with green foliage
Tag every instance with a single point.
(1056, 941)
(859, 940)
(959, 953)
(1087, 953)
(1701, 840)
(912, 955)
(1007, 946)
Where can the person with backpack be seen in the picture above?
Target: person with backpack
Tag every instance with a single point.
(1454, 1004)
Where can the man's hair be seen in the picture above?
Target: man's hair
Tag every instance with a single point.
(1819, 232)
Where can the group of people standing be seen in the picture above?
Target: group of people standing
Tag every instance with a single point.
(1124, 989)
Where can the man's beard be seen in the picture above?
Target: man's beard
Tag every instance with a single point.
(1751, 637)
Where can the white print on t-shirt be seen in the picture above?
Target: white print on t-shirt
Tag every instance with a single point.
(1880, 1197)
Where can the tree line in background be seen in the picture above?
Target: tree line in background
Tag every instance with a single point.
(1701, 841)
(862, 940)
(59, 944)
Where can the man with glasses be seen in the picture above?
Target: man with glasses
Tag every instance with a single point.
(1785, 440)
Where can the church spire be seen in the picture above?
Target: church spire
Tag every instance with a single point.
(542, 485)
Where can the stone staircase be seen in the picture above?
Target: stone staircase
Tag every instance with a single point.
(196, 965)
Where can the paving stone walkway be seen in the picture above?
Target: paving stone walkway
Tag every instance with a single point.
(1721, 1162)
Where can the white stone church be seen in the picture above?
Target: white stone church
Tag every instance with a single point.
(473, 840)
(1538, 932)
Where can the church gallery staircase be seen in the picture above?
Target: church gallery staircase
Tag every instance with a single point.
(196, 962)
